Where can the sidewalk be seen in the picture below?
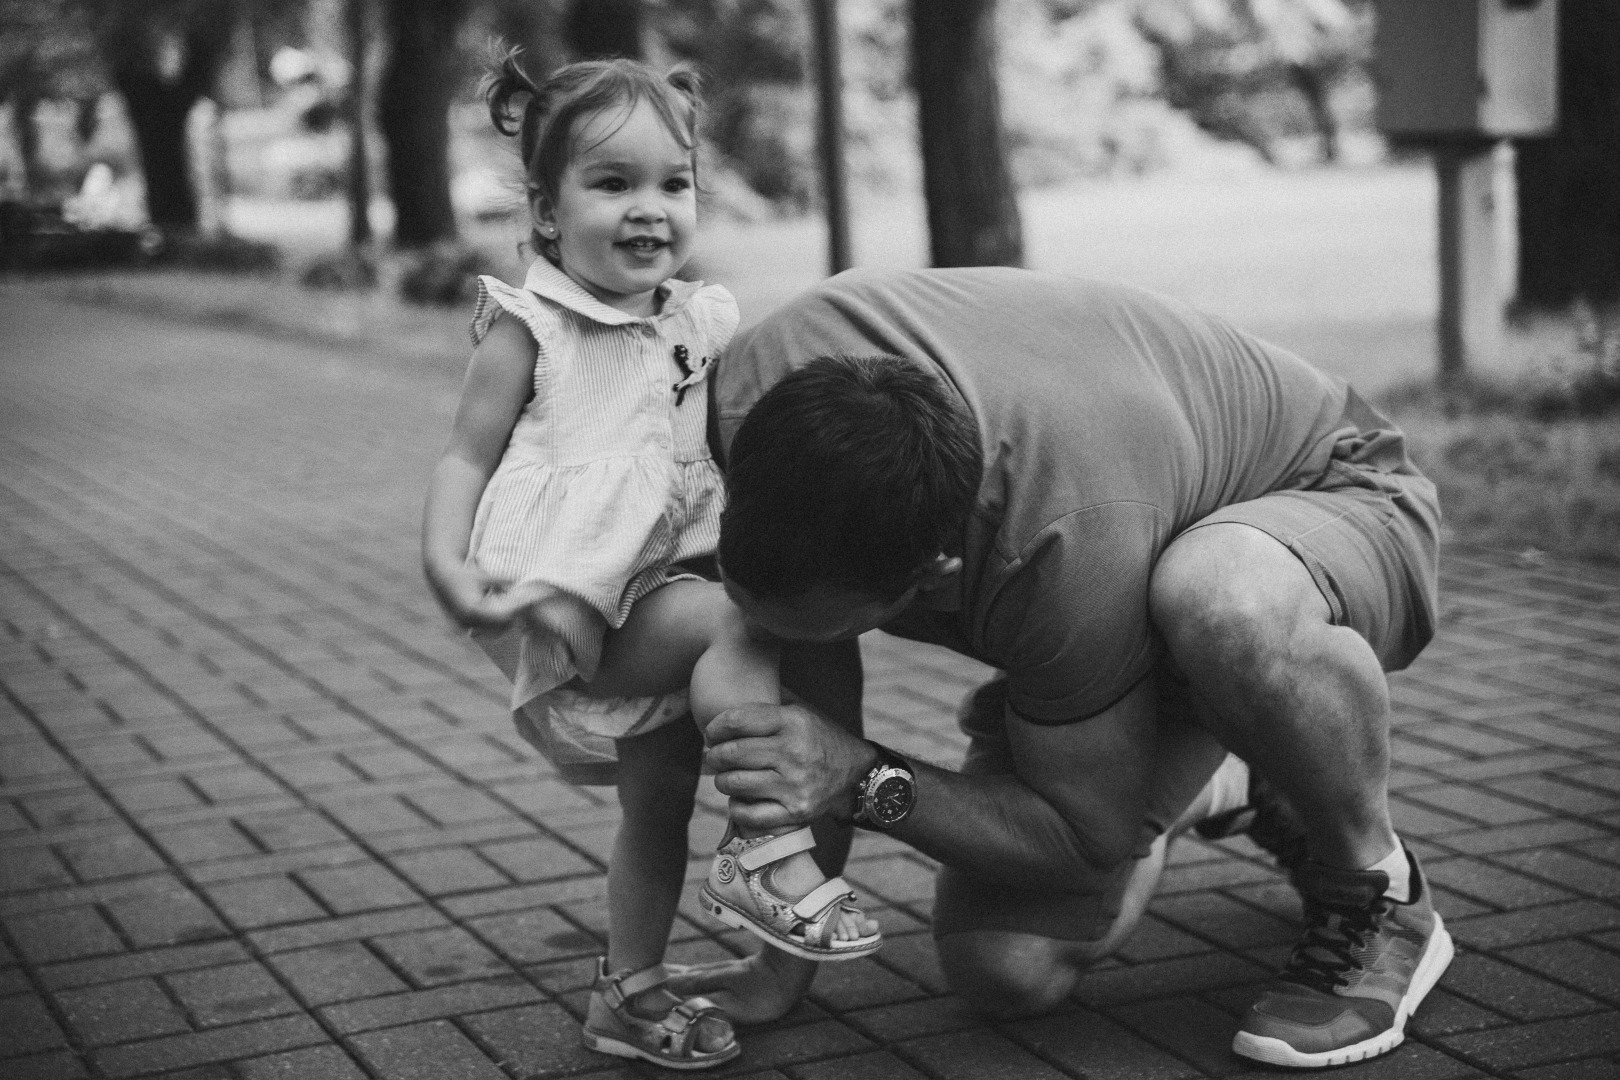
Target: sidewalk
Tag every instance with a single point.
(261, 814)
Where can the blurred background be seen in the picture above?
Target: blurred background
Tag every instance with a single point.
(324, 169)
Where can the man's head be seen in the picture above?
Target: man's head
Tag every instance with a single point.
(850, 478)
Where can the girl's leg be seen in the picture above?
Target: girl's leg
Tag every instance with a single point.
(658, 776)
(688, 634)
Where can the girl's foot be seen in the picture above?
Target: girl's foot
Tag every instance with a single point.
(792, 909)
(752, 990)
(633, 1014)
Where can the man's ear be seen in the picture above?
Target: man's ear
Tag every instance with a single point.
(941, 572)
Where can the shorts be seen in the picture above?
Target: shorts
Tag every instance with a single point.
(1370, 539)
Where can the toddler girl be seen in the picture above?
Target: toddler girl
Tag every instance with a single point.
(564, 516)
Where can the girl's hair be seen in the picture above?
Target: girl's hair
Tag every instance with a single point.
(544, 124)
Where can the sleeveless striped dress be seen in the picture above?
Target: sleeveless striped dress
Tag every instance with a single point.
(606, 482)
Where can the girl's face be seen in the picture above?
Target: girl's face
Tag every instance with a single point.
(626, 211)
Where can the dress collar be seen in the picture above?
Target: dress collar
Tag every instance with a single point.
(550, 282)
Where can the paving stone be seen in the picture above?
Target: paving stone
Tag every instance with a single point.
(1084, 1042)
(338, 972)
(1542, 923)
(264, 901)
(535, 936)
(428, 1051)
(448, 870)
(199, 843)
(123, 855)
(1575, 963)
(176, 1052)
(1540, 1043)
(977, 1056)
(119, 1012)
(346, 928)
(168, 917)
(360, 887)
(536, 858)
(315, 1063)
(28, 1027)
(1512, 992)
(230, 994)
(536, 1041)
(63, 935)
(32, 868)
(146, 962)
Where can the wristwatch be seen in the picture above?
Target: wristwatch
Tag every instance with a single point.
(886, 794)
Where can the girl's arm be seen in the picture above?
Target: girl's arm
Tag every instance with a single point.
(499, 380)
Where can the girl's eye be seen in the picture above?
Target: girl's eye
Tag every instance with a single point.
(610, 183)
(677, 184)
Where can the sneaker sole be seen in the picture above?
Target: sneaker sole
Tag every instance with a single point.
(1436, 958)
(729, 915)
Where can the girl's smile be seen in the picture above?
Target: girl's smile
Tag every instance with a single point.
(626, 210)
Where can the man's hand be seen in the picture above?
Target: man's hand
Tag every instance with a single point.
(783, 765)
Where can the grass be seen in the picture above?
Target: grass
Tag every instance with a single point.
(1530, 462)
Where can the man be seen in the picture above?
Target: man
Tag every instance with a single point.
(1174, 540)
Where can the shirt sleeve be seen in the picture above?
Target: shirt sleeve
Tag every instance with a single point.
(1070, 624)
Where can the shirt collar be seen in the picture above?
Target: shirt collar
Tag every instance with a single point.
(547, 280)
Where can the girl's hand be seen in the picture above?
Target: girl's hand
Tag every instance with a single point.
(473, 599)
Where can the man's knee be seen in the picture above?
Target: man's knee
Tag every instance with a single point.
(1008, 975)
(1232, 596)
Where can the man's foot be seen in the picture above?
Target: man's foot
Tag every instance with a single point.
(1267, 820)
(754, 990)
(1364, 964)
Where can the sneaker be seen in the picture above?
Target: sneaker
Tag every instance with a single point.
(1362, 967)
(1266, 819)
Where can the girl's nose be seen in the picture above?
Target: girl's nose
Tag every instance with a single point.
(646, 208)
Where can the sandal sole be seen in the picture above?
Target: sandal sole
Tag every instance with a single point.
(729, 915)
(617, 1047)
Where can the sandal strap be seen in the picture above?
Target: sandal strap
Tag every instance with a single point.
(623, 986)
(777, 848)
(823, 896)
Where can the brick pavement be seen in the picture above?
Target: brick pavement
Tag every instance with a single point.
(261, 814)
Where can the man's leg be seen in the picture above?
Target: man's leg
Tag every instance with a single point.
(1011, 952)
(1306, 703)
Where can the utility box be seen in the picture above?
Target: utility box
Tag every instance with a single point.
(1448, 69)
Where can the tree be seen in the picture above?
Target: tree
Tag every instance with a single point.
(601, 28)
(413, 114)
(163, 56)
(1569, 182)
(972, 210)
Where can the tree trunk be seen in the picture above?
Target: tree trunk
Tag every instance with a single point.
(163, 56)
(1569, 183)
(972, 207)
(358, 186)
(413, 113)
(601, 28)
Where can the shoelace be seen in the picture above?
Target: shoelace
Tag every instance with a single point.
(1325, 958)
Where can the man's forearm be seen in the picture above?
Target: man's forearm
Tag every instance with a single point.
(993, 826)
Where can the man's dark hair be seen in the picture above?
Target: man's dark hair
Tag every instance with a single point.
(850, 473)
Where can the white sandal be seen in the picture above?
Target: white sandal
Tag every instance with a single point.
(736, 895)
(671, 1041)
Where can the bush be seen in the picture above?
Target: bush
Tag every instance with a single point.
(445, 274)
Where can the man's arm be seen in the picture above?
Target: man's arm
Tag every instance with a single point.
(1073, 809)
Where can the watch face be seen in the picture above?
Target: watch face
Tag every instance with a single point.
(892, 799)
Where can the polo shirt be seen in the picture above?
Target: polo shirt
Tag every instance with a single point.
(1110, 419)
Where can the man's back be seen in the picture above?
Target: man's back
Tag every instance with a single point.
(1110, 419)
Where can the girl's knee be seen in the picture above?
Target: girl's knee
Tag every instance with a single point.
(1009, 975)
